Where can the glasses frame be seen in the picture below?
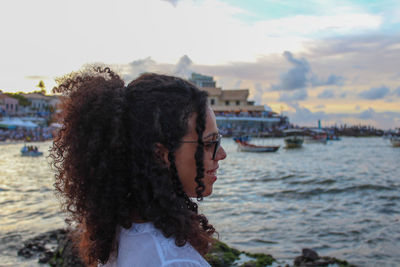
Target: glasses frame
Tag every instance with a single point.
(216, 142)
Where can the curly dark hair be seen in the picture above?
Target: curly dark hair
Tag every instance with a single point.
(107, 170)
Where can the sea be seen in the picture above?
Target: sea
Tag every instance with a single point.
(341, 199)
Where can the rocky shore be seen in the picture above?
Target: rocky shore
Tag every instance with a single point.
(55, 248)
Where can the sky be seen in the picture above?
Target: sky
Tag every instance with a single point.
(334, 60)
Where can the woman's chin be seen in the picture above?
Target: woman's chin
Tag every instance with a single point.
(207, 191)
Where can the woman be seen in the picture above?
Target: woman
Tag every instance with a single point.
(129, 160)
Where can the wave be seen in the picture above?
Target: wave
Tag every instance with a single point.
(322, 191)
(262, 241)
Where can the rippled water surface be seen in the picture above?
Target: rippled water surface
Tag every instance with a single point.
(341, 199)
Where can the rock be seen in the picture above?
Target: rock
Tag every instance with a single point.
(310, 254)
(222, 255)
(25, 252)
(54, 247)
(310, 258)
(66, 254)
(46, 256)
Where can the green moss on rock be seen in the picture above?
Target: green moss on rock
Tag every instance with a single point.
(260, 260)
(221, 255)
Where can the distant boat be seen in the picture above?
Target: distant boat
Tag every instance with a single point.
(242, 138)
(395, 141)
(294, 138)
(316, 136)
(333, 138)
(30, 152)
(247, 147)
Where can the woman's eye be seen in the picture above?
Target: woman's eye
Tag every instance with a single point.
(208, 145)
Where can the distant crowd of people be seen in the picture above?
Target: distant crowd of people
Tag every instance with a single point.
(26, 134)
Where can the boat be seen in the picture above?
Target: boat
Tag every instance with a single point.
(30, 152)
(333, 138)
(244, 138)
(315, 136)
(294, 138)
(395, 140)
(247, 147)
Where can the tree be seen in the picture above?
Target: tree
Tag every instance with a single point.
(22, 101)
(42, 87)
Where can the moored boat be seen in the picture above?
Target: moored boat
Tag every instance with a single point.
(242, 138)
(247, 147)
(294, 138)
(316, 136)
(395, 141)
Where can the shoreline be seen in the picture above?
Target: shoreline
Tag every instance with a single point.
(55, 248)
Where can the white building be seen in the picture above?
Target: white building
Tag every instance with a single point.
(232, 107)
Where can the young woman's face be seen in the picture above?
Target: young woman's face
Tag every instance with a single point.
(186, 163)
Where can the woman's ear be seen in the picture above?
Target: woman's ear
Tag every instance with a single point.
(161, 153)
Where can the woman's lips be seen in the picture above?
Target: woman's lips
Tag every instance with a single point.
(212, 171)
(213, 174)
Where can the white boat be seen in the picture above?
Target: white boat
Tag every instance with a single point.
(316, 136)
(247, 147)
(294, 138)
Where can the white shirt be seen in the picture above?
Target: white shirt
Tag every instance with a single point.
(145, 246)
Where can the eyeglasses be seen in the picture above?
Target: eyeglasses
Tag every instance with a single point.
(209, 144)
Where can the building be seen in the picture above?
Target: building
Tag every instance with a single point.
(39, 102)
(8, 105)
(232, 107)
(202, 80)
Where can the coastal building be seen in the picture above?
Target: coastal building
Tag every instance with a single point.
(8, 105)
(202, 80)
(232, 108)
(39, 102)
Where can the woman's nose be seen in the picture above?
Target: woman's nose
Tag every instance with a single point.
(221, 154)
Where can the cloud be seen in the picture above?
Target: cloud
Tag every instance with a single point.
(367, 114)
(305, 117)
(374, 93)
(140, 66)
(396, 92)
(357, 107)
(258, 93)
(319, 106)
(294, 78)
(326, 94)
(300, 76)
(173, 2)
(344, 22)
(182, 69)
(297, 95)
(331, 80)
(36, 77)
(238, 83)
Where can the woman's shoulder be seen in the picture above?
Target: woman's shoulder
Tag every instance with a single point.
(147, 244)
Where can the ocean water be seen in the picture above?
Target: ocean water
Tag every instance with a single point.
(341, 199)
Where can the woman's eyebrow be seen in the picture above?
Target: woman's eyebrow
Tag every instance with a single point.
(212, 134)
